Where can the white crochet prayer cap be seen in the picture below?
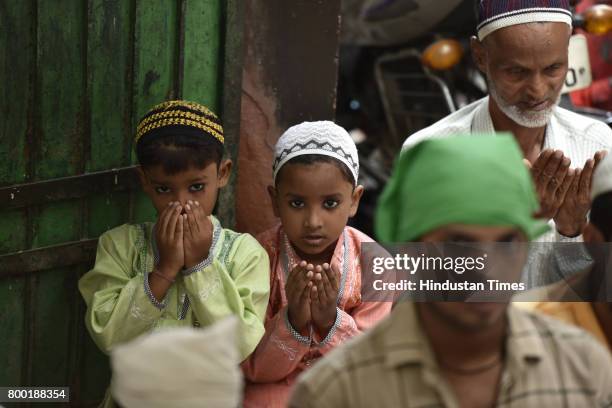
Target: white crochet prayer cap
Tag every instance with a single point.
(496, 14)
(322, 137)
(602, 177)
(180, 368)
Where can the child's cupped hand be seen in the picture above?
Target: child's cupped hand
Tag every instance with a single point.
(298, 287)
(323, 298)
(198, 234)
(169, 239)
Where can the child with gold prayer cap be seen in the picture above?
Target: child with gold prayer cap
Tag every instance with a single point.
(185, 269)
(315, 299)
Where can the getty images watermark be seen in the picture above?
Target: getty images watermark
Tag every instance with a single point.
(474, 272)
(423, 263)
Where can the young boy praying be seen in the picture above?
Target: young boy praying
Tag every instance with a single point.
(315, 301)
(186, 269)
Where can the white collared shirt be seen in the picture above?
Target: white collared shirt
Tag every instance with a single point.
(578, 136)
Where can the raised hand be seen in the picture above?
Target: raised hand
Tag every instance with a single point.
(553, 178)
(198, 234)
(323, 296)
(571, 216)
(169, 240)
(298, 289)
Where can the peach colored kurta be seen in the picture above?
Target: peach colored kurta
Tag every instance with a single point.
(282, 355)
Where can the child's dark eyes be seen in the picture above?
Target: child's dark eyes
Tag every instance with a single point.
(331, 203)
(196, 187)
(296, 203)
(328, 204)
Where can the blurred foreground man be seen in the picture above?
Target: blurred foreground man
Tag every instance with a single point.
(522, 49)
(448, 354)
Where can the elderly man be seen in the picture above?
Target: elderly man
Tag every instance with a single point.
(522, 48)
(447, 354)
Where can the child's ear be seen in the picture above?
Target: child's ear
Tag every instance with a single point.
(225, 169)
(272, 194)
(356, 196)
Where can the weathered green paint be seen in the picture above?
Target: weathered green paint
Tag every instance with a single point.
(155, 69)
(61, 76)
(109, 64)
(77, 76)
(15, 37)
(12, 233)
(202, 52)
(16, 59)
(12, 320)
(155, 65)
(106, 212)
(52, 325)
(12, 295)
(233, 17)
(60, 134)
(110, 99)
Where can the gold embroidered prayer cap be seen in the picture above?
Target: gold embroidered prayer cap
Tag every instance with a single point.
(179, 115)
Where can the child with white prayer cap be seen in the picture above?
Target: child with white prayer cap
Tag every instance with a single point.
(315, 297)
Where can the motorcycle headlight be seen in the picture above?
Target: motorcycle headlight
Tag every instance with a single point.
(443, 54)
(598, 19)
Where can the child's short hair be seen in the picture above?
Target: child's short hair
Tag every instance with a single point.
(178, 135)
(317, 142)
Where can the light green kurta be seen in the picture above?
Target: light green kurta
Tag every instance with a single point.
(234, 280)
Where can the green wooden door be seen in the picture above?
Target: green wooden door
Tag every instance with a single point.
(75, 77)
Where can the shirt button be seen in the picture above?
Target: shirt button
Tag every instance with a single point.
(196, 324)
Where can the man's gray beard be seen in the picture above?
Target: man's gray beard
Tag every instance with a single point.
(528, 119)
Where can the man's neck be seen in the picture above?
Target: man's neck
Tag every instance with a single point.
(462, 348)
(530, 140)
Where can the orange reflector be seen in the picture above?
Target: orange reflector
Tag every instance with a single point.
(598, 19)
(443, 54)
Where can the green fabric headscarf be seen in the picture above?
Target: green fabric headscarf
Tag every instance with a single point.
(476, 179)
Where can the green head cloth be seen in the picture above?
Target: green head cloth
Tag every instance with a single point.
(475, 180)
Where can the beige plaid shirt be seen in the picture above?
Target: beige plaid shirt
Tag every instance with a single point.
(548, 364)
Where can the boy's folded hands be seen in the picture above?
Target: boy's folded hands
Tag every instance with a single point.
(312, 294)
(323, 298)
(183, 236)
(297, 288)
(198, 234)
(169, 240)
